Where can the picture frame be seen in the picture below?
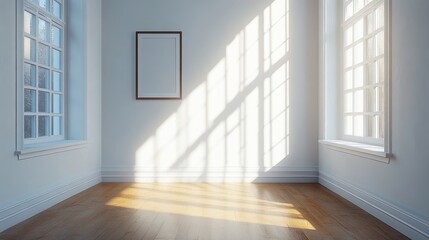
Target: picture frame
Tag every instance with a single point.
(158, 65)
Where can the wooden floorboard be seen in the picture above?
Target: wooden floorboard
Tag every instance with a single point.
(157, 211)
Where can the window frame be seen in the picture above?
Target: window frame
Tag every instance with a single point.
(332, 100)
(43, 142)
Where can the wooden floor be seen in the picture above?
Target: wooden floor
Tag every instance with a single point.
(203, 211)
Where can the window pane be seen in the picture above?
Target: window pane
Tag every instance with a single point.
(370, 96)
(371, 126)
(348, 81)
(348, 102)
(349, 57)
(379, 16)
(56, 59)
(358, 77)
(44, 102)
(370, 45)
(381, 70)
(370, 23)
(358, 53)
(43, 80)
(57, 103)
(371, 73)
(44, 4)
(349, 10)
(43, 126)
(358, 5)
(29, 126)
(43, 54)
(29, 49)
(348, 125)
(57, 81)
(29, 23)
(380, 43)
(358, 30)
(57, 127)
(358, 101)
(358, 126)
(56, 9)
(348, 36)
(57, 35)
(29, 74)
(44, 30)
(29, 100)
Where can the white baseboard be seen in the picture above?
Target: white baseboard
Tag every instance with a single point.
(277, 174)
(396, 217)
(23, 210)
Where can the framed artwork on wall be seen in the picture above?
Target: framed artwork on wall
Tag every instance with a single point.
(158, 65)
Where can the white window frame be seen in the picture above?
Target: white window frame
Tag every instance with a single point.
(28, 148)
(333, 136)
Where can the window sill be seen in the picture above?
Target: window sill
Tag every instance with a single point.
(36, 150)
(359, 149)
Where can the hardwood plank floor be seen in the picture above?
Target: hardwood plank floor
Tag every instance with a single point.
(203, 211)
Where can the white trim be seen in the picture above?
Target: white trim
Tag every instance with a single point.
(36, 150)
(23, 210)
(396, 217)
(373, 152)
(273, 175)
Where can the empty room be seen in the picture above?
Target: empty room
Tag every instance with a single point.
(214, 119)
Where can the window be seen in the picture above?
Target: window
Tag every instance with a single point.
(364, 71)
(42, 72)
(355, 69)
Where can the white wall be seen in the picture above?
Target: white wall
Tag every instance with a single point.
(399, 188)
(220, 130)
(31, 185)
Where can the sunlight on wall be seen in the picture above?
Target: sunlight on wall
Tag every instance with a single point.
(210, 201)
(239, 117)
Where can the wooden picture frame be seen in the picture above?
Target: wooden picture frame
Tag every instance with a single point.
(158, 65)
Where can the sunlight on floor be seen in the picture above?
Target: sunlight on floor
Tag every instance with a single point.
(214, 201)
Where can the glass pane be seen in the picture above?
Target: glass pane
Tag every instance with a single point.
(43, 54)
(349, 10)
(349, 57)
(379, 13)
(56, 9)
(57, 127)
(29, 74)
(358, 77)
(43, 126)
(57, 103)
(358, 5)
(29, 49)
(358, 30)
(348, 80)
(348, 125)
(370, 21)
(29, 126)
(358, 53)
(29, 100)
(44, 102)
(370, 99)
(43, 80)
(358, 101)
(370, 53)
(44, 30)
(358, 126)
(57, 81)
(380, 127)
(348, 36)
(379, 99)
(348, 102)
(44, 4)
(371, 73)
(380, 43)
(381, 70)
(57, 35)
(56, 59)
(29, 23)
(371, 125)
